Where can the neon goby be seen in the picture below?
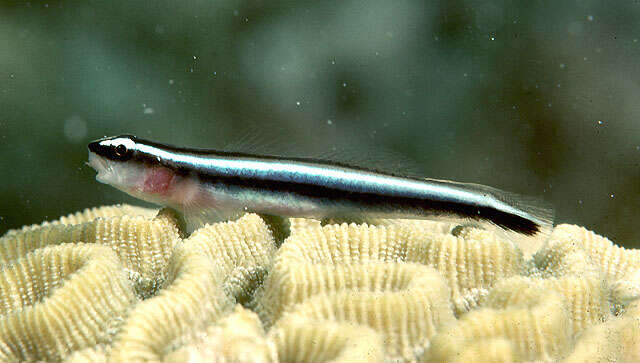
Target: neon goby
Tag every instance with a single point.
(212, 185)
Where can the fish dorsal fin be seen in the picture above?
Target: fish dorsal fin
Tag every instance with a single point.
(359, 154)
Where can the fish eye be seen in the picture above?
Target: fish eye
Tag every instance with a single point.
(121, 150)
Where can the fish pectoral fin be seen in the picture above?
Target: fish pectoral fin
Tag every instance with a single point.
(198, 218)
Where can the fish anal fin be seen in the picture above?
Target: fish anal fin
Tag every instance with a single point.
(197, 218)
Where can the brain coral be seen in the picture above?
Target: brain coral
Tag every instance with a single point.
(350, 273)
(621, 267)
(59, 299)
(242, 250)
(617, 340)
(143, 243)
(537, 328)
(192, 297)
(238, 337)
(584, 298)
(123, 283)
(406, 319)
(472, 261)
(301, 340)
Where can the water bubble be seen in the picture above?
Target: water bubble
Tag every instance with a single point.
(590, 17)
(75, 129)
(611, 195)
(329, 122)
(171, 81)
(344, 84)
(297, 103)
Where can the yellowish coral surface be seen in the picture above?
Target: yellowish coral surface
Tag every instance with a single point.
(537, 328)
(124, 283)
(238, 337)
(61, 298)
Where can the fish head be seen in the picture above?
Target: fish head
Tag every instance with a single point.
(117, 163)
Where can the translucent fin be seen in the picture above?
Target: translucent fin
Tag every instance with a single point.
(534, 209)
(539, 212)
(195, 218)
(375, 159)
(253, 142)
(273, 140)
(204, 210)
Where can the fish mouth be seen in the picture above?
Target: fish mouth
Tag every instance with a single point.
(100, 165)
(124, 176)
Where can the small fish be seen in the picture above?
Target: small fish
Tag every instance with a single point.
(209, 185)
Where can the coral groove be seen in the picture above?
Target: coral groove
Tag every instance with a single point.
(191, 298)
(538, 329)
(243, 251)
(301, 340)
(471, 261)
(143, 244)
(620, 267)
(357, 274)
(59, 299)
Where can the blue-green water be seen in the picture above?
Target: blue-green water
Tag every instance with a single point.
(535, 98)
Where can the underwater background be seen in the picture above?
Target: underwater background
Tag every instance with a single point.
(531, 97)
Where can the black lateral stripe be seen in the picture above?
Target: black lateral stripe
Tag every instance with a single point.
(373, 201)
(381, 202)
